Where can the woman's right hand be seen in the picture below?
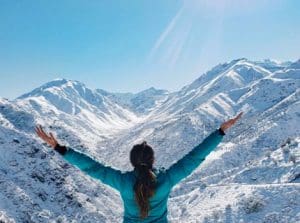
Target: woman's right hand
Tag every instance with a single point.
(49, 139)
(226, 125)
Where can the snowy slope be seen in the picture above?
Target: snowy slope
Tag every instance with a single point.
(142, 102)
(253, 175)
(81, 111)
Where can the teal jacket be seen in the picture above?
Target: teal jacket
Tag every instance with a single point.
(124, 181)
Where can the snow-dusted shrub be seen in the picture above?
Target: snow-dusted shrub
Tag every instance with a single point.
(273, 217)
(268, 154)
(41, 216)
(292, 158)
(285, 149)
(252, 204)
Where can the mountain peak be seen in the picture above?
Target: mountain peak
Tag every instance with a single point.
(58, 82)
(152, 90)
(239, 70)
(242, 59)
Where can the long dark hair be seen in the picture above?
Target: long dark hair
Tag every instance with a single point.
(142, 158)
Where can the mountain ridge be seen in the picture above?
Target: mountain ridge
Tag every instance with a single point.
(261, 149)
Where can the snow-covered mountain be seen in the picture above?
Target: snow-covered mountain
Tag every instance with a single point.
(253, 175)
(142, 102)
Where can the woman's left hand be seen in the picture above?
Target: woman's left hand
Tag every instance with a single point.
(49, 139)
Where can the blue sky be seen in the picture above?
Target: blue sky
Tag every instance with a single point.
(131, 45)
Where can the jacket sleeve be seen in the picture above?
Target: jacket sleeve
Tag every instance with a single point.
(186, 165)
(90, 166)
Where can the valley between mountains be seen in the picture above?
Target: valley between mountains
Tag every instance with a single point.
(252, 176)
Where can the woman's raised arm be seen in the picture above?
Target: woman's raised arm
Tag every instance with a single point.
(87, 164)
(186, 165)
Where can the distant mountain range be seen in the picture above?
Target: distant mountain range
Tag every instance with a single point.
(253, 175)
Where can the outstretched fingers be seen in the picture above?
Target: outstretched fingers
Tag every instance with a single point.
(41, 133)
(238, 117)
(54, 141)
(234, 120)
(51, 135)
(230, 122)
(50, 139)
